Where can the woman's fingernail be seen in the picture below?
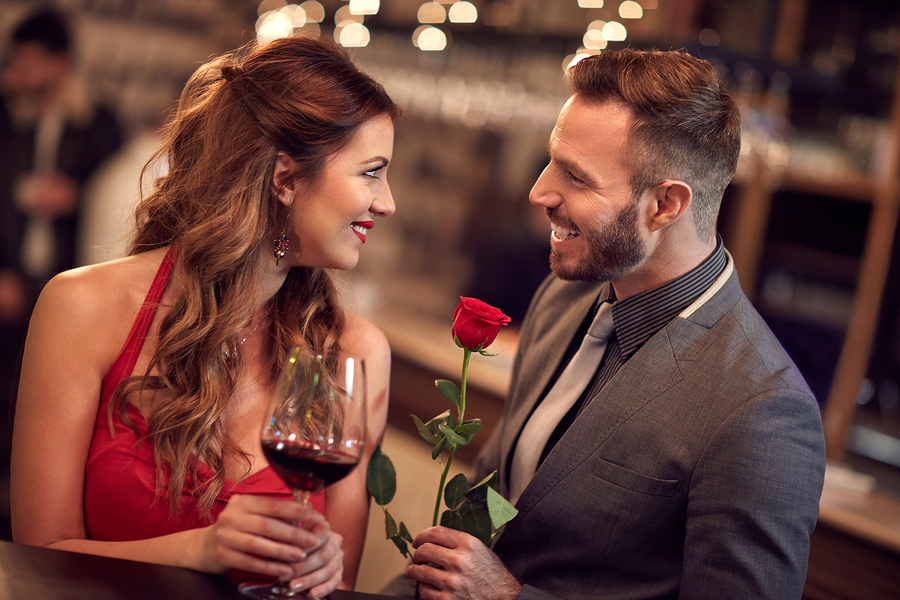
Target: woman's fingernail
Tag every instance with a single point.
(297, 586)
(298, 555)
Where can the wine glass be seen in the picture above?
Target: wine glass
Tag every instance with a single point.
(313, 434)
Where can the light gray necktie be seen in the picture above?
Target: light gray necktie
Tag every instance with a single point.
(39, 243)
(559, 400)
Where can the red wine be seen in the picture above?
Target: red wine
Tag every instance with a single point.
(306, 467)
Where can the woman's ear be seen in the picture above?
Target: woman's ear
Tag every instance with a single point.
(283, 179)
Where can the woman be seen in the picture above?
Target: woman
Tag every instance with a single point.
(137, 425)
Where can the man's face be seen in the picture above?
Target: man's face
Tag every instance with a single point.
(596, 219)
(34, 70)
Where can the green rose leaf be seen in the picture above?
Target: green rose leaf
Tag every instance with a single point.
(476, 521)
(450, 519)
(453, 438)
(381, 478)
(468, 429)
(401, 545)
(448, 389)
(404, 532)
(478, 492)
(499, 508)
(424, 431)
(390, 526)
(436, 451)
(455, 491)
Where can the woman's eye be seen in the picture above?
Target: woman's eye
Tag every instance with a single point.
(373, 172)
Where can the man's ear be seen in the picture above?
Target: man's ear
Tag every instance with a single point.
(671, 200)
(283, 179)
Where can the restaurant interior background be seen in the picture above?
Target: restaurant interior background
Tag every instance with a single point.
(810, 218)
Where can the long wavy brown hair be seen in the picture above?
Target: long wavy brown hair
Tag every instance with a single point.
(302, 96)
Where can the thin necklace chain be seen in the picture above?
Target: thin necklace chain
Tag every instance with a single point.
(228, 353)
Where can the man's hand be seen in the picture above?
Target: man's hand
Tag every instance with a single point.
(49, 195)
(452, 564)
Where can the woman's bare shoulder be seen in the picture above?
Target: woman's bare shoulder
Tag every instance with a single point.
(363, 338)
(104, 284)
(101, 297)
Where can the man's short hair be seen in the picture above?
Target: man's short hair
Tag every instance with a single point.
(46, 27)
(685, 124)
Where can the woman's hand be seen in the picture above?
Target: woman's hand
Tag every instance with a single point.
(322, 570)
(274, 537)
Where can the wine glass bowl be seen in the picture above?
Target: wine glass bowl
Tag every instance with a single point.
(314, 431)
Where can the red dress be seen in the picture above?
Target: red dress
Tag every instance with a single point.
(120, 499)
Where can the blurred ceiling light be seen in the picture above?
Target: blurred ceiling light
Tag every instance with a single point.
(352, 35)
(594, 39)
(432, 39)
(311, 29)
(267, 5)
(590, 3)
(271, 26)
(708, 37)
(630, 10)
(314, 10)
(598, 25)
(463, 12)
(364, 7)
(417, 32)
(431, 12)
(344, 14)
(295, 13)
(573, 59)
(615, 31)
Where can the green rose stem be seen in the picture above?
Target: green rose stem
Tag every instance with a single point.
(460, 414)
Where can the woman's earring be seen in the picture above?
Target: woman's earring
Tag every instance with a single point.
(281, 246)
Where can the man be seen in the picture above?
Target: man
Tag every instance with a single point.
(692, 465)
(52, 138)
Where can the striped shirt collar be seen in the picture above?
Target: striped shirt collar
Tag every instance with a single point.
(639, 317)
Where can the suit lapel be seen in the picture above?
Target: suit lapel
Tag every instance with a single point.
(649, 373)
(547, 342)
(645, 376)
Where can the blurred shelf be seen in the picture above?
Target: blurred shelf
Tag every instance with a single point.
(859, 187)
(815, 262)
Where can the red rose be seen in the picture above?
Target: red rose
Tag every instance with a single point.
(476, 324)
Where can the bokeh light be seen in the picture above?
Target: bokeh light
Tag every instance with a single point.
(268, 5)
(463, 12)
(352, 35)
(315, 12)
(431, 39)
(630, 10)
(614, 31)
(343, 15)
(431, 12)
(364, 7)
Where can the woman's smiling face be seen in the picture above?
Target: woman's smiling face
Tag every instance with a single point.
(330, 218)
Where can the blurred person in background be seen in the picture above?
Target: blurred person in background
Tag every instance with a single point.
(52, 138)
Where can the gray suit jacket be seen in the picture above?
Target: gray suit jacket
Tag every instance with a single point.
(694, 473)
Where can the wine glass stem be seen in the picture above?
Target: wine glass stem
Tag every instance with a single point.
(301, 496)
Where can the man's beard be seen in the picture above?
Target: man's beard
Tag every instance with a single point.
(613, 249)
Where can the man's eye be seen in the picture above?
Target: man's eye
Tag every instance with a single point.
(574, 178)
